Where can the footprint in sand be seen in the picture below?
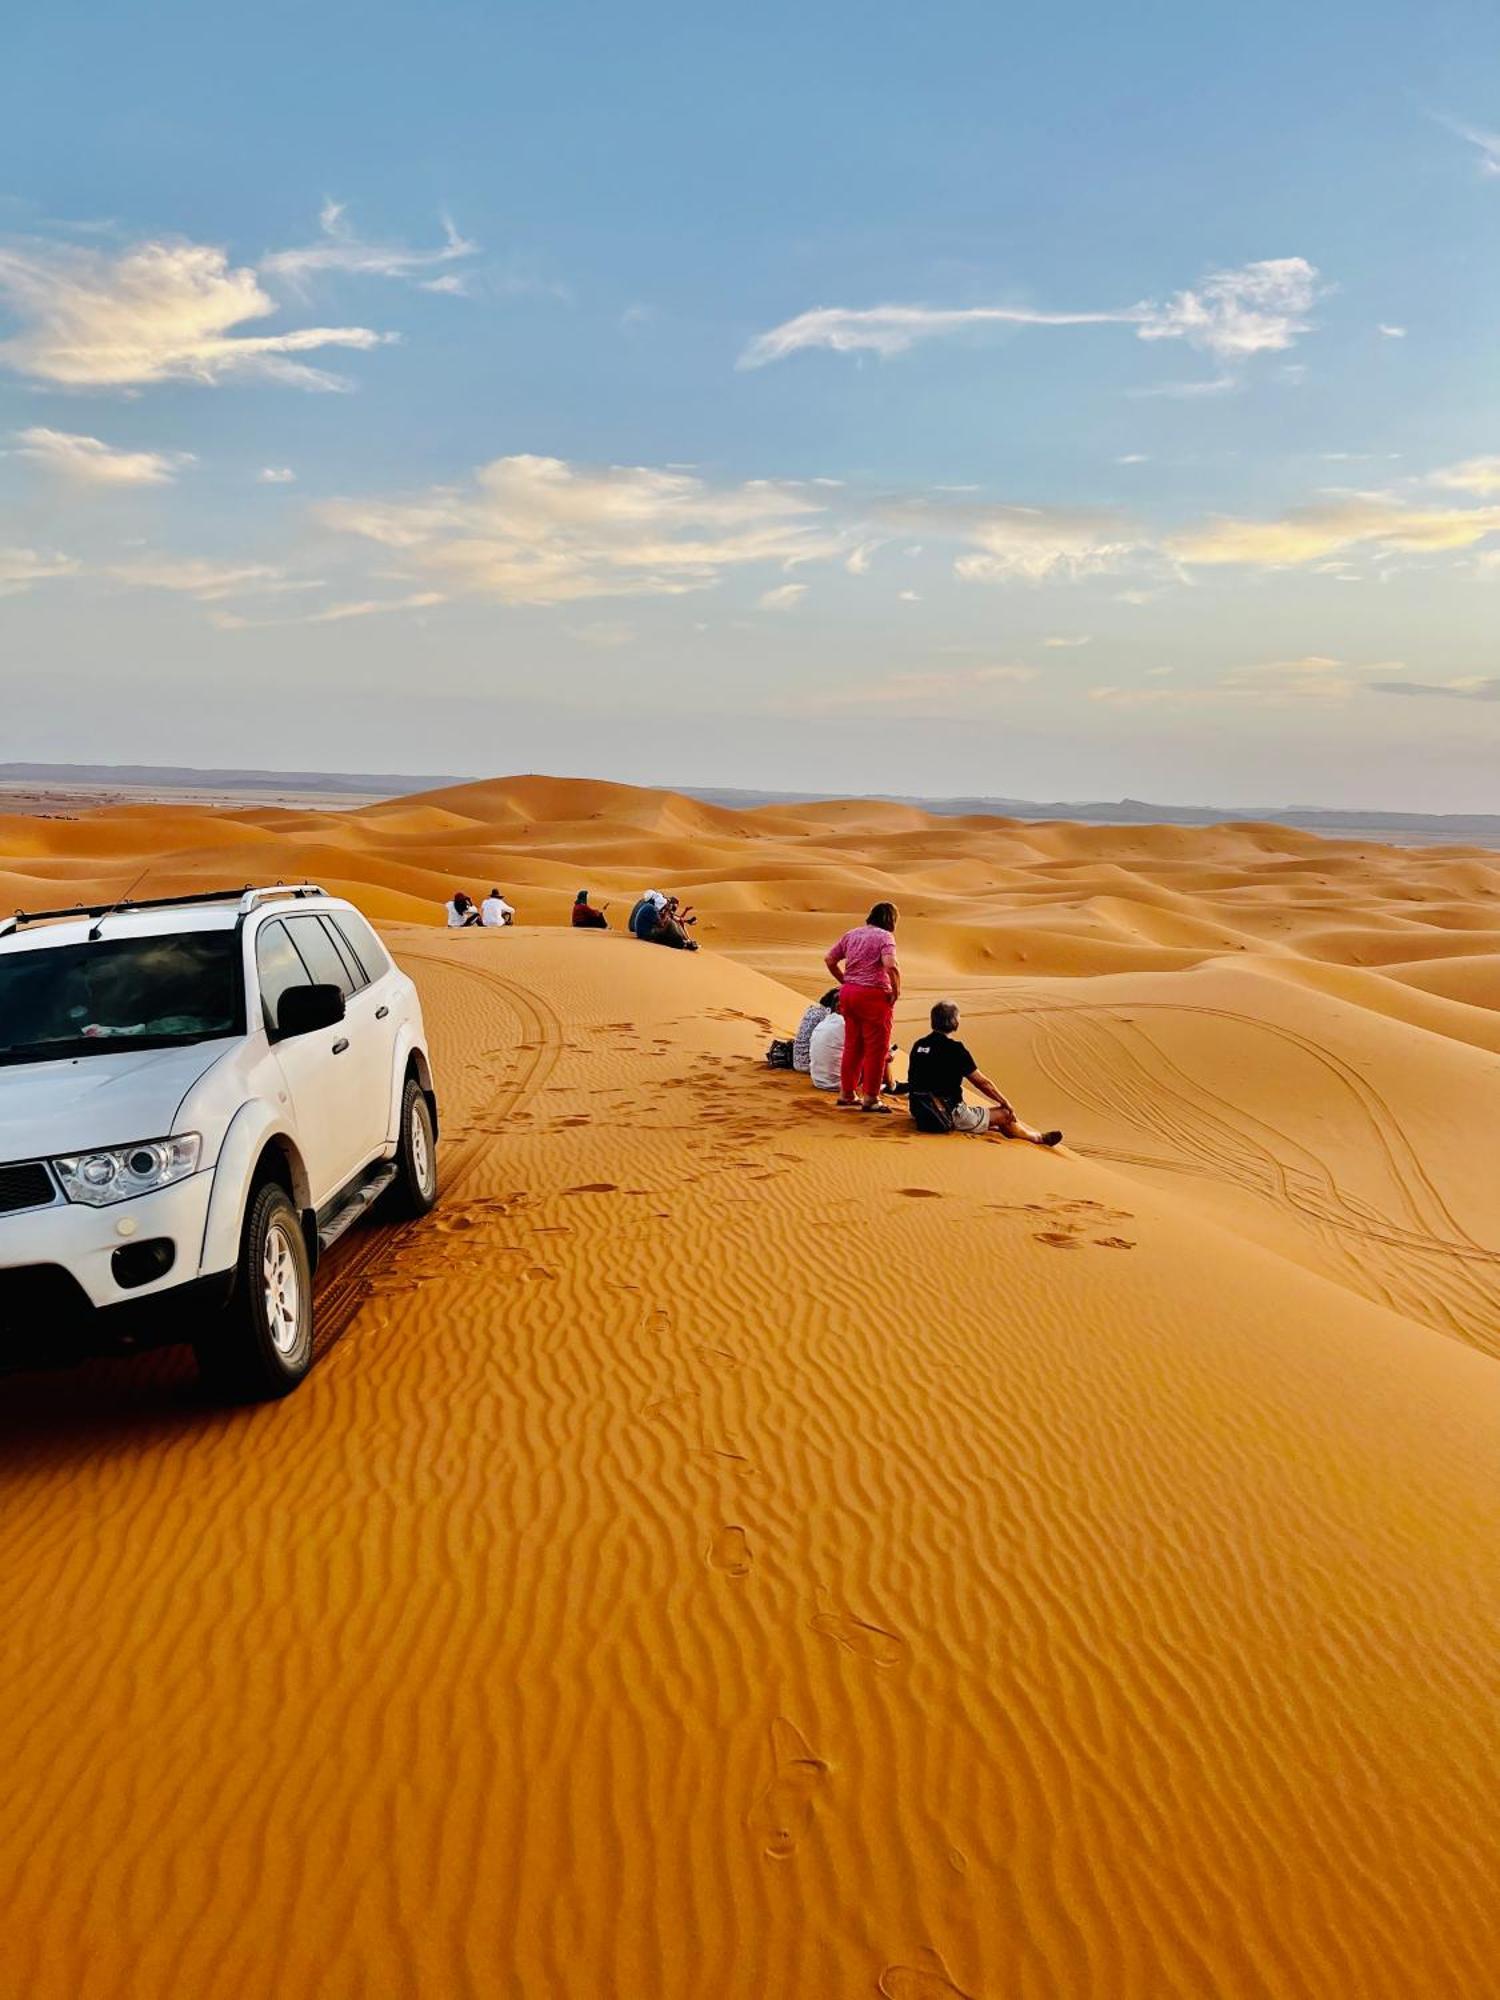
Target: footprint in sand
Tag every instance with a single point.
(1055, 1239)
(870, 1642)
(1113, 1243)
(593, 1187)
(538, 1272)
(919, 1194)
(783, 1814)
(730, 1552)
(928, 1981)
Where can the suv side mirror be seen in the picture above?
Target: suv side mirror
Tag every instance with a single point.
(304, 1009)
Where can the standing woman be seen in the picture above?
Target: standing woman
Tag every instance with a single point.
(864, 961)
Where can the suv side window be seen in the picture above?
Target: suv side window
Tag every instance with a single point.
(350, 959)
(366, 947)
(317, 948)
(277, 966)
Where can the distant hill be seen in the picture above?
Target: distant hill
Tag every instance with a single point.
(180, 778)
(1416, 829)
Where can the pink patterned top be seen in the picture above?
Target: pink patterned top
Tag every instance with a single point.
(866, 951)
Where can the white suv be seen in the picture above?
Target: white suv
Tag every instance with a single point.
(197, 1096)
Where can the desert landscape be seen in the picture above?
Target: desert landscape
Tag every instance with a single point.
(736, 1548)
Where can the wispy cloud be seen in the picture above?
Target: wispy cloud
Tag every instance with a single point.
(1312, 679)
(156, 312)
(1382, 522)
(785, 597)
(1028, 544)
(331, 614)
(275, 475)
(530, 530)
(21, 568)
(88, 461)
(1472, 475)
(1258, 308)
(1470, 688)
(190, 576)
(1391, 332)
(1486, 144)
(340, 249)
(1059, 644)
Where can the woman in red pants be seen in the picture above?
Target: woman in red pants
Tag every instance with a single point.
(864, 961)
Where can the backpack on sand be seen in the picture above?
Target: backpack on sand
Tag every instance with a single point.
(929, 1114)
(779, 1055)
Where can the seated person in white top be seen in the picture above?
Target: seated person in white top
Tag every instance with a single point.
(826, 1051)
(462, 913)
(495, 911)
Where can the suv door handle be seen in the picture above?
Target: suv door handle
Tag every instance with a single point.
(340, 1046)
(381, 1012)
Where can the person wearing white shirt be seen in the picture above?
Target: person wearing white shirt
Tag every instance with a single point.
(495, 911)
(462, 914)
(826, 1052)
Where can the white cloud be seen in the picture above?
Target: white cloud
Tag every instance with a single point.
(156, 312)
(189, 576)
(1392, 332)
(331, 614)
(1059, 644)
(786, 597)
(90, 462)
(530, 530)
(894, 329)
(1190, 391)
(21, 568)
(340, 250)
(1381, 522)
(859, 559)
(1133, 458)
(1256, 309)
(1486, 144)
(1312, 679)
(275, 475)
(909, 596)
(1469, 687)
(1260, 308)
(1473, 475)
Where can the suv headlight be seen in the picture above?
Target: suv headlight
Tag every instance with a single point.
(119, 1172)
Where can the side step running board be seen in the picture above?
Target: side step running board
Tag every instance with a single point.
(357, 1202)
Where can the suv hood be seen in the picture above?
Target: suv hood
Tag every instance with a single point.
(85, 1102)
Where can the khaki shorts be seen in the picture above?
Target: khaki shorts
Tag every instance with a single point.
(971, 1118)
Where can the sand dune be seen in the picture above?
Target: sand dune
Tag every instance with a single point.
(730, 1549)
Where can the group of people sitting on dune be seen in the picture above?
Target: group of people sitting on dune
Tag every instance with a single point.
(844, 1043)
(661, 919)
(492, 914)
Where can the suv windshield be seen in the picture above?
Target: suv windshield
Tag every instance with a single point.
(120, 993)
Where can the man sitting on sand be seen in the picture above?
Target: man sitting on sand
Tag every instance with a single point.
(495, 912)
(662, 921)
(936, 1073)
(585, 916)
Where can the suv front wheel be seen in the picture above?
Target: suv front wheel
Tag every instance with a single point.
(415, 1188)
(260, 1345)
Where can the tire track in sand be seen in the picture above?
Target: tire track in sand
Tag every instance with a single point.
(343, 1282)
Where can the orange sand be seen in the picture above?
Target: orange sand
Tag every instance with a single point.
(737, 1549)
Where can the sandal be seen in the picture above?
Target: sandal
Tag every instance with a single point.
(878, 1110)
(1052, 1138)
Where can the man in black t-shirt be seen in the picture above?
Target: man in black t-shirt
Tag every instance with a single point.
(936, 1072)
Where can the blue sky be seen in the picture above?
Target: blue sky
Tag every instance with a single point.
(1058, 403)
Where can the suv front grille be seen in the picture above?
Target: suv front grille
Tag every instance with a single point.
(25, 1185)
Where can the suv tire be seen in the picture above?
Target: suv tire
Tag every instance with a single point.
(415, 1189)
(260, 1345)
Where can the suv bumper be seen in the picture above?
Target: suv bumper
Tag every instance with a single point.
(77, 1278)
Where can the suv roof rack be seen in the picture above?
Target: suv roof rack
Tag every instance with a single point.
(246, 897)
